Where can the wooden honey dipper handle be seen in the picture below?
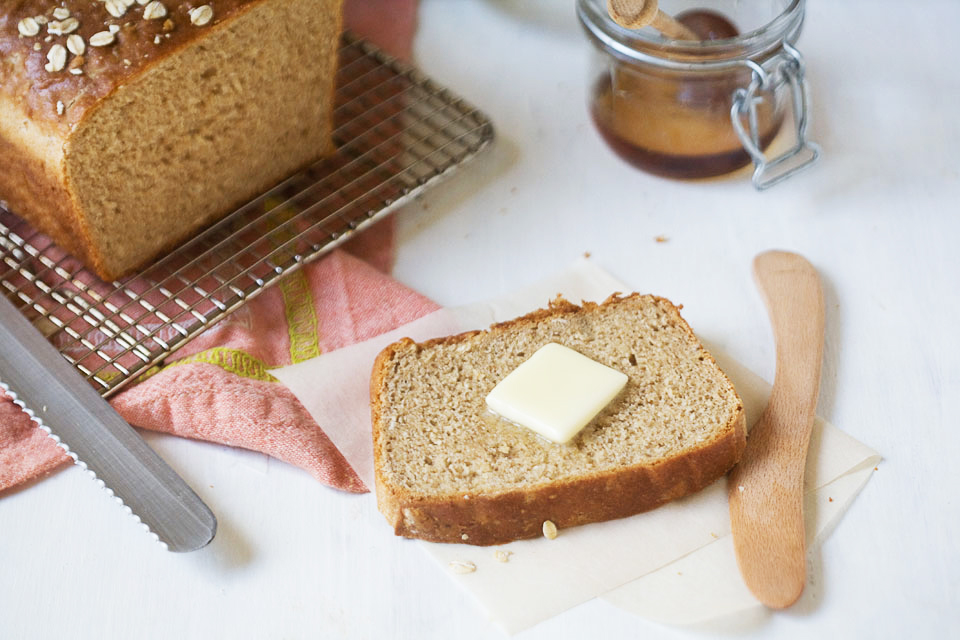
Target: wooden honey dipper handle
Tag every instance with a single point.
(636, 14)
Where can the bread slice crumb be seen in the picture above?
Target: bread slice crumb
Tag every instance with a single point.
(462, 566)
(444, 470)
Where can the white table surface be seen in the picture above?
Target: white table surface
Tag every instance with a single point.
(879, 217)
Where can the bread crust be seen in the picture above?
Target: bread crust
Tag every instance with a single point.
(43, 113)
(496, 518)
(33, 184)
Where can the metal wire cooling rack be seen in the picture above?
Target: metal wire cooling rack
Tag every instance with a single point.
(396, 132)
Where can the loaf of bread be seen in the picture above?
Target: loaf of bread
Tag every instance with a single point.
(127, 125)
(446, 472)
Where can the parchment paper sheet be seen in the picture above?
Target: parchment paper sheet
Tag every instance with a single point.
(674, 564)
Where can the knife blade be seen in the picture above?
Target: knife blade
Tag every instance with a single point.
(42, 383)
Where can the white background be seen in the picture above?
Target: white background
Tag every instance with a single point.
(879, 217)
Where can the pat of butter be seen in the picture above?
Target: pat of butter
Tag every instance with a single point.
(556, 392)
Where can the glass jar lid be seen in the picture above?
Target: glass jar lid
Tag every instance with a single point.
(765, 25)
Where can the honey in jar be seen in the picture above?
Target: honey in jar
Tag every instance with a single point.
(672, 107)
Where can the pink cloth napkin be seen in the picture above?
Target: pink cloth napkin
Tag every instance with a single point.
(219, 388)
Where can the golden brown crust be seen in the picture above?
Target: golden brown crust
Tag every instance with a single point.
(44, 111)
(496, 519)
(27, 183)
(134, 51)
(488, 519)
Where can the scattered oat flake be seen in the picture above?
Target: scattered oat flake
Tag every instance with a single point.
(462, 566)
(56, 58)
(61, 13)
(63, 28)
(28, 27)
(464, 537)
(60, 108)
(116, 8)
(502, 555)
(201, 15)
(101, 39)
(662, 239)
(154, 11)
(549, 530)
(76, 45)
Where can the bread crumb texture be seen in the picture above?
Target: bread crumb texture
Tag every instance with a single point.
(436, 445)
(441, 439)
(191, 132)
(462, 566)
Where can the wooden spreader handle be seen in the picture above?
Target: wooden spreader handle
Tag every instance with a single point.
(765, 489)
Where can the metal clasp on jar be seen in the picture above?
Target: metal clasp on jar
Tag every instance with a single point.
(787, 67)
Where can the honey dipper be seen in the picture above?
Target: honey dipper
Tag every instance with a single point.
(636, 14)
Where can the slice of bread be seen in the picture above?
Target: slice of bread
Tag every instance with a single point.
(447, 472)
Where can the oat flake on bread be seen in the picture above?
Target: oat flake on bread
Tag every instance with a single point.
(183, 101)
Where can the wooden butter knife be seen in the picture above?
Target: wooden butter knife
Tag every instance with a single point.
(765, 490)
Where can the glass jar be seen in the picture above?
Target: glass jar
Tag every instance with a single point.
(700, 108)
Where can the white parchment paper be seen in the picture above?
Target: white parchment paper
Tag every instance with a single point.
(674, 564)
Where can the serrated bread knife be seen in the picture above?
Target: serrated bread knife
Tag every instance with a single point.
(63, 404)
